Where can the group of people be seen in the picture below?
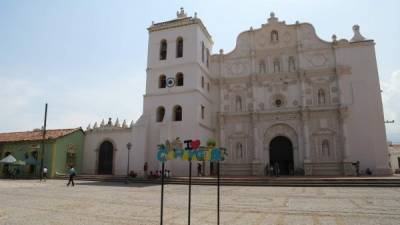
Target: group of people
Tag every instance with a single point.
(158, 173)
(272, 170)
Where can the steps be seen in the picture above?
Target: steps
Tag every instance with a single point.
(237, 169)
(391, 181)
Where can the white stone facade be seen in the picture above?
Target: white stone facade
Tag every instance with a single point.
(282, 95)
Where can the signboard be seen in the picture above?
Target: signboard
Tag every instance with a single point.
(191, 151)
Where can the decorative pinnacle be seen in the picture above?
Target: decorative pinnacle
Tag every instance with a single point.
(181, 13)
(357, 35)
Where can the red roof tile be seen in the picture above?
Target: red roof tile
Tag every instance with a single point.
(35, 135)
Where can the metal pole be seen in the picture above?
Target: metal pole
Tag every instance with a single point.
(190, 189)
(218, 198)
(162, 193)
(43, 138)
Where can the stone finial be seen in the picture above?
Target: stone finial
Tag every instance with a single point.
(272, 18)
(181, 13)
(221, 51)
(102, 124)
(195, 15)
(88, 127)
(124, 124)
(95, 125)
(357, 35)
(131, 124)
(334, 38)
(297, 22)
(116, 123)
(152, 22)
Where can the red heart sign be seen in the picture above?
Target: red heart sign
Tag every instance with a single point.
(195, 144)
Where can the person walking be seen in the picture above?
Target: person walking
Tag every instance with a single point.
(72, 174)
(198, 169)
(45, 170)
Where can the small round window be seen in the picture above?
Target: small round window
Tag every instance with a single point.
(278, 102)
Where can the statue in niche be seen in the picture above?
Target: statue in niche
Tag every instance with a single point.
(277, 66)
(262, 68)
(274, 36)
(238, 104)
(292, 66)
(325, 148)
(321, 97)
(239, 150)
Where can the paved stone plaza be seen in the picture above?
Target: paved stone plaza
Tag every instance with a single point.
(94, 203)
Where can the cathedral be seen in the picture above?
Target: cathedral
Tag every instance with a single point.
(282, 96)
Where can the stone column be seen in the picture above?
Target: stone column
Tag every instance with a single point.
(306, 140)
(257, 148)
(348, 168)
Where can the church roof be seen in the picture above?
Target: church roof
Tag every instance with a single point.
(36, 135)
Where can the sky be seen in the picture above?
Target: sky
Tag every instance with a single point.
(87, 58)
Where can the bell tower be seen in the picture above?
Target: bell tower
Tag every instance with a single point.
(178, 102)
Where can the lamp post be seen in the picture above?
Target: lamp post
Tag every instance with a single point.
(128, 146)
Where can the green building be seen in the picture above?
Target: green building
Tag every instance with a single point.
(62, 148)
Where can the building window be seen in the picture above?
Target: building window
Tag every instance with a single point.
(160, 114)
(71, 155)
(179, 79)
(202, 82)
(292, 65)
(177, 113)
(202, 51)
(277, 66)
(238, 104)
(208, 87)
(321, 97)
(274, 36)
(325, 148)
(208, 56)
(162, 83)
(202, 111)
(262, 68)
(179, 47)
(163, 49)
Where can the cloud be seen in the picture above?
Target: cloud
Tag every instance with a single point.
(391, 106)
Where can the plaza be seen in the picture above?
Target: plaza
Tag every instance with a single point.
(97, 203)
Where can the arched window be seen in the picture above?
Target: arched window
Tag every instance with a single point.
(162, 83)
(160, 114)
(179, 79)
(238, 104)
(202, 51)
(292, 65)
(202, 82)
(208, 56)
(277, 66)
(177, 113)
(325, 148)
(321, 97)
(163, 49)
(274, 36)
(179, 47)
(262, 68)
(202, 111)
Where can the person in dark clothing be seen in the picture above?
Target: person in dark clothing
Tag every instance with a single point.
(72, 174)
(198, 169)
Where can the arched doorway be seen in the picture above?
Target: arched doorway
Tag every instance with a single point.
(281, 151)
(106, 154)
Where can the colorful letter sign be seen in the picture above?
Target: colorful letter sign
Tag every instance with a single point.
(193, 151)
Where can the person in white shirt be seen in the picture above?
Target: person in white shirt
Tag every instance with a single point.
(45, 170)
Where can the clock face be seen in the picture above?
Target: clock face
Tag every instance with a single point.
(170, 82)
